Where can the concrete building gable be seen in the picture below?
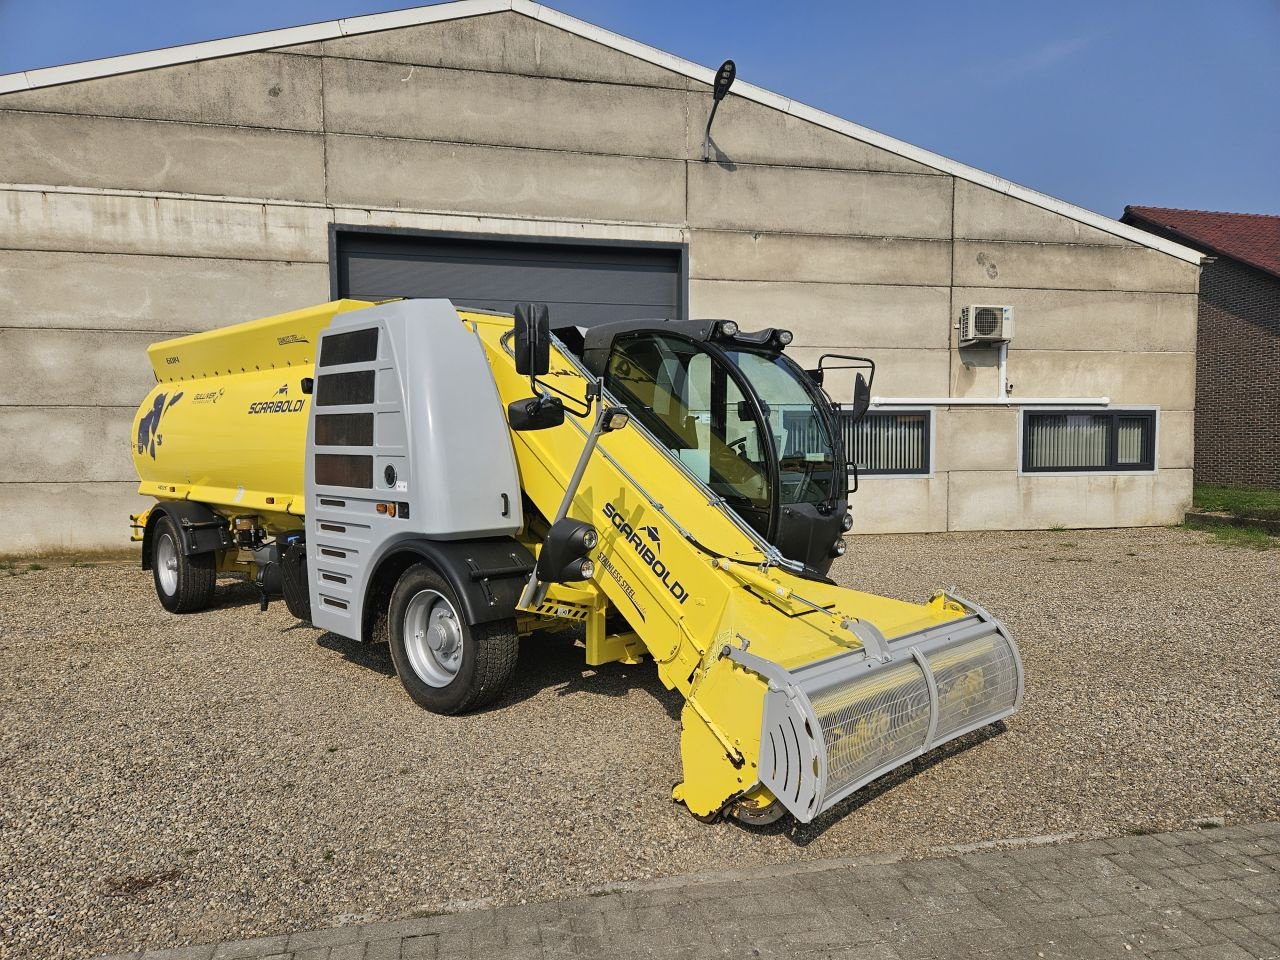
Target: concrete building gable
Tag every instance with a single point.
(519, 36)
(503, 42)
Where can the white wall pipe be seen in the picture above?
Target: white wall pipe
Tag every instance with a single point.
(990, 402)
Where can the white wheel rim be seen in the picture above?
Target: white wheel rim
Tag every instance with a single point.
(433, 638)
(167, 564)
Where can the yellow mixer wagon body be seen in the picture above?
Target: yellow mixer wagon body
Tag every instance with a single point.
(412, 472)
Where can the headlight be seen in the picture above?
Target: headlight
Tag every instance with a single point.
(586, 569)
(838, 548)
(846, 522)
(590, 538)
(615, 418)
(784, 337)
(728, 328)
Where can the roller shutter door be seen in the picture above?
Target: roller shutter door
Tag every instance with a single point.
(583, 285)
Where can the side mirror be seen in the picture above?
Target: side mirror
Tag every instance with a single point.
(861, 397)
(533, 339)
(535, 413)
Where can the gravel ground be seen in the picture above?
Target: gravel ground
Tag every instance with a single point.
(168, 780)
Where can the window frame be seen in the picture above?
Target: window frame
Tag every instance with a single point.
(1148, 466)
(930, 439)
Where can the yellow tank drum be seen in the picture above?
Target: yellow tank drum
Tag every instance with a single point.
(226, 424)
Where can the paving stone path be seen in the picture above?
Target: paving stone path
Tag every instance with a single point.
(1211, 893)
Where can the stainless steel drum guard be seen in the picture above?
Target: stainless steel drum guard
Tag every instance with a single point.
(833, 726)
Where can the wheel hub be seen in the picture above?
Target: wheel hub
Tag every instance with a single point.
(167, 564)
(433, 638)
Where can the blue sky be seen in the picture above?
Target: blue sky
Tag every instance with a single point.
(1169, 103)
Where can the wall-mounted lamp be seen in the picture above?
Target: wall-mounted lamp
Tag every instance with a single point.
(719, 90)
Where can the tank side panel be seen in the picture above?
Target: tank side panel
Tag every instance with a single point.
(286, 339)
(233, 441)
(226, 423)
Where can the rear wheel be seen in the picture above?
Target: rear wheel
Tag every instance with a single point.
(184, 583)
(446, 664)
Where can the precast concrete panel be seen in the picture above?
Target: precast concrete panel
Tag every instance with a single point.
(500, 43)
(1113, 320)
(74, 367)
(45, 289)
(900, 371)
(745, 132)
(832, 314)
(531, 183)
(976, 438)
(900, 505)
(164, 226)
(1001, 500)
(1061, 266)
(273, 90)
(841, 202)
(753, 255)
(68, 444)
(985, 214)
(68, 516)
(1165, 380)
(166, 156)
(1175, 440)
(460, 106)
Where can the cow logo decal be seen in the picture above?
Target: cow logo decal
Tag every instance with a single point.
(149, 436)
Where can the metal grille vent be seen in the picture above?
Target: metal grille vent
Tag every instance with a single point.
(873, 724)
(975, 680)
(987, 321)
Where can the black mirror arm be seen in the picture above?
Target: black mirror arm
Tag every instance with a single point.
(586, 403)
(856, 363)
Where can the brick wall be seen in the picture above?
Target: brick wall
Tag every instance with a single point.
(1237, 427)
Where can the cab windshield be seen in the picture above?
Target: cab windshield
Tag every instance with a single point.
(806, 455)
(692, 400)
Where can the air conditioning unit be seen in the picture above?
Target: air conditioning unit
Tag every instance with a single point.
(984, 324)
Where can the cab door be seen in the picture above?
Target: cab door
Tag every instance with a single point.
(691, 402)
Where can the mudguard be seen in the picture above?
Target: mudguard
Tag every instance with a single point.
(201, 530)
(487, 575)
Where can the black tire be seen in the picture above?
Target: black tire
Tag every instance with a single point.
(293, 581)
(487, 656)
(184, 584)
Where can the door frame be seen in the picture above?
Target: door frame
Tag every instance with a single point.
(682, 282)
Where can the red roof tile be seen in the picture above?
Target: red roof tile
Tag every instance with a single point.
(1252, 238)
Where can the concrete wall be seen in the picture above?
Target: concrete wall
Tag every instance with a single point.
(151, 204)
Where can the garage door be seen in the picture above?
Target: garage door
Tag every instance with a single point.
(583, 285)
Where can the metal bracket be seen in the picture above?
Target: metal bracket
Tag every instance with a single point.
(872, 640)
(534, 591)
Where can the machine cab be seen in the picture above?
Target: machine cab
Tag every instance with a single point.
(742, 417)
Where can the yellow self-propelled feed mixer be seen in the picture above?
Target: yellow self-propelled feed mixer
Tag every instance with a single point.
(451, 481)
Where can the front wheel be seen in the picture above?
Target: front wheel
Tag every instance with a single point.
(184, 583)
(446, 664)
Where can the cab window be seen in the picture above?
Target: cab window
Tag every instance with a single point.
(688, 401)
